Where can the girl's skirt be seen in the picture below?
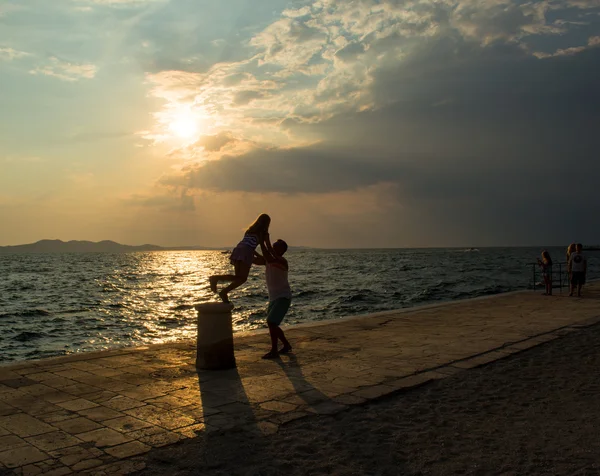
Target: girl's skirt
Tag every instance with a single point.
(242, 253)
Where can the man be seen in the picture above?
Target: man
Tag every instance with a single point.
(577, 269)
(280, 294)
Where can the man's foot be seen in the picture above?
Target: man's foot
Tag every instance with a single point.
(224, 297)
(213, 283)
(272, 354)
(286, 349)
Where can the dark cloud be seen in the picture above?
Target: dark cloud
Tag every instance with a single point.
(215, 143)
(244, 97)
(350, 51)
(491, 141)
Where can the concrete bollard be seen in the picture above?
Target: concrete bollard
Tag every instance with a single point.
(215, 337)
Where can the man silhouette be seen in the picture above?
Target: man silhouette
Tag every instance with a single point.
(577, 269)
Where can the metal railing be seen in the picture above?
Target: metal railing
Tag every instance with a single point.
(560, 275)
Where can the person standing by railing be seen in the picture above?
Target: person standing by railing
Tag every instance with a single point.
(577, 270)
(546, 265)
(570, 251)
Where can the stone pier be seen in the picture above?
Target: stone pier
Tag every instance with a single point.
(100, 412)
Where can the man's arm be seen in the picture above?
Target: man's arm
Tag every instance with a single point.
(258, 259)
(267, 255)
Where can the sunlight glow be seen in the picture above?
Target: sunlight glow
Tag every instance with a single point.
(184, 126)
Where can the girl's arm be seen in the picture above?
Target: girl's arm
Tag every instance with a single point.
(267, 255)
(267, 242)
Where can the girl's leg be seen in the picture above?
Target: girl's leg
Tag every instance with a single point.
(213, 280)
(550, 286)
(241, 276)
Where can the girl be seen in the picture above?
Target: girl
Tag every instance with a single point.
(546, 265)
(242, 256)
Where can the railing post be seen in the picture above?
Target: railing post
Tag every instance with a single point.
(214, 345)
(560, 276)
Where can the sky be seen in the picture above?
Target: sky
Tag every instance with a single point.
(363, 123)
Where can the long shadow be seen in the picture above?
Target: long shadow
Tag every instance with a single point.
(307, 392)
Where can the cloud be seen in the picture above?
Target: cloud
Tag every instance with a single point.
(215, 143)
(9, 54)
(593, 42)
(182, 202)
(65, 70)
(462, 111)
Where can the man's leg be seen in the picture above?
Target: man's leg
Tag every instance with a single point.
(272, 354)
(286, 345)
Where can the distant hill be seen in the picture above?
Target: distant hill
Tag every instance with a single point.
(106, 246)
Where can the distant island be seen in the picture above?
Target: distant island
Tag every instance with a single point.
(106, 246)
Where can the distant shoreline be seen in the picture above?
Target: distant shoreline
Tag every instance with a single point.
(108, 246)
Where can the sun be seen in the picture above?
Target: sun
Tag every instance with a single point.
(184, 126)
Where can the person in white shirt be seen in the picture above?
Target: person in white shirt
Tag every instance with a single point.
(280, 294)
(577, 269)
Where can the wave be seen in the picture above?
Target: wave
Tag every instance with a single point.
(28, 336)
(27, 313)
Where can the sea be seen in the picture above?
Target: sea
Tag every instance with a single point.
(60, 303)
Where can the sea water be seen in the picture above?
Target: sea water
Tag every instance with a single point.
(55, 304)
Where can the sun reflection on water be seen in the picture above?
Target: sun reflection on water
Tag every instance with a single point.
(155, 293)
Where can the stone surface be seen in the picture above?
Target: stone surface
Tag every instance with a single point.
(98, 413)
(104, 437)
(24, 425)
(53, 441)
(22, 456)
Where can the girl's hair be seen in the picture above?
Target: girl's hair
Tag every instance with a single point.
(571, 248)
(546, 256)
(260, 225)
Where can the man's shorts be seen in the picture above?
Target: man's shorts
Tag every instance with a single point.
(578, 278)
(277, 310)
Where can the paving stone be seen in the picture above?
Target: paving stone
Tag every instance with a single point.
(326, 408)
(87, 464)
(58, 396)
(169, 402)
(74, 454)
(100, 396)
(10, 442)
(123, 403)
(120, 468)
(30, 470)
(24, 425)
(77, 425)
(104, 437)
(192, 431)
(283, 418)
(163, 438)
(53, 441)
(58, 472)
(22, 456)
(100, 413)
(80, 389)
(158, 416)
(373, 392)
(59, 416)
(126, 424)
(6, 409)
(127, 450)
(105, 372)
(32, 405)
(276, 406)
(77, 404)
(19, 382)
(347, 399)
